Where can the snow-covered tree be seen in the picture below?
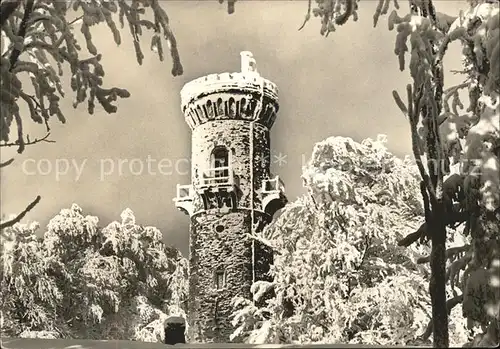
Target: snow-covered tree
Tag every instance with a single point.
(339, 274)
(117, 282)
(464, 142)
(30, 296)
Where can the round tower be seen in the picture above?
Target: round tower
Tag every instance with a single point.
(232, 192)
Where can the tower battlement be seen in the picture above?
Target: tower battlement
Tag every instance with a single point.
(241, 95)
(243, 82)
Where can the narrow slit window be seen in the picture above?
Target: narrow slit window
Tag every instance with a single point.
(220, 279)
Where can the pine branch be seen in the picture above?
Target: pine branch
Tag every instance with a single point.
(21, 215)
(14, 56)
(7, 8)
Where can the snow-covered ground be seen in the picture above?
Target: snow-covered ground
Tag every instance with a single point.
(18, 343)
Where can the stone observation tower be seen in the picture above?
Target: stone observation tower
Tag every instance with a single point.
(232, 192)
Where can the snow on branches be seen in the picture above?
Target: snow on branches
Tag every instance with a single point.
(38, 39)
(81, 280)
(339, 275)
(470, 140)
(457, 148)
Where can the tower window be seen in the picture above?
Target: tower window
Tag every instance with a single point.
(220, 279)
(220, 159)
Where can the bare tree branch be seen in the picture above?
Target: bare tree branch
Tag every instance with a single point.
(28, 9)
(230, 5)
(308, 15)
(21, 215)
(449, 253)
(28, 142)
(75, 20)
(450, 304)
(412, 112)
(20, 139)
(6, 163)
(420, 234)
(341, 221)
(365, 251)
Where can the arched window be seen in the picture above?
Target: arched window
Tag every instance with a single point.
(220, 158)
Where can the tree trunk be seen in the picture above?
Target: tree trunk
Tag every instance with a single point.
(437, 286)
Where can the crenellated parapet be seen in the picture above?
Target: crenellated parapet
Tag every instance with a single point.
(245, 96)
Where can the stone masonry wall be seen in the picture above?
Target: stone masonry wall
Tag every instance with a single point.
(219, 109)
(213, 250)
(235, 135)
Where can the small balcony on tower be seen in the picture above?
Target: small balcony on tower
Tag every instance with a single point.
(273, 195)
(219, 174)
(217, 178)
(214, 183)
(184, 198)
(216, 187)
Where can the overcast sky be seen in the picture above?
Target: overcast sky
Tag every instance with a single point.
(335, 86)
